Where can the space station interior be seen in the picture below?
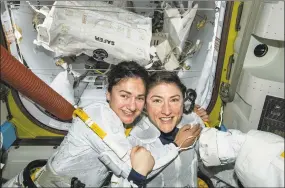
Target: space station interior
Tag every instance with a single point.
(231, 53)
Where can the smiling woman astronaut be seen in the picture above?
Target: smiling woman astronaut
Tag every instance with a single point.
(164, 107)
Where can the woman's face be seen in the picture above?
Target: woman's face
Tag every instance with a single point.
(164, 106)
(127, 99)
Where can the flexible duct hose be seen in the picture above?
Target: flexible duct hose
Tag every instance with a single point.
(26, 82)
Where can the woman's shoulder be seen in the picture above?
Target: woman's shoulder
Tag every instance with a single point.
(191, 118)
(101, 113)
(145, 131)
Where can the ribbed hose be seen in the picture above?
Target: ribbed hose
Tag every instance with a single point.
(26, 82)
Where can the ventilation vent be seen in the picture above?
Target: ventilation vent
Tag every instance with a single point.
(272, 117)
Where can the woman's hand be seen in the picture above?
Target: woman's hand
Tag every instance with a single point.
(202, 113)
(186, 136)
(142, 161)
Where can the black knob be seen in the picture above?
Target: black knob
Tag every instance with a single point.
(260, 50)
(189, 101)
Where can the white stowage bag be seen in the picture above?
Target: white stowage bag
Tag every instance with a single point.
(97, 29)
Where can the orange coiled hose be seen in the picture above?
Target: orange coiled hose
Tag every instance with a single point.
(26, 82)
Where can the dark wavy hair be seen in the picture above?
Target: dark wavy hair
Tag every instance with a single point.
(126, 69)
(166, 77)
